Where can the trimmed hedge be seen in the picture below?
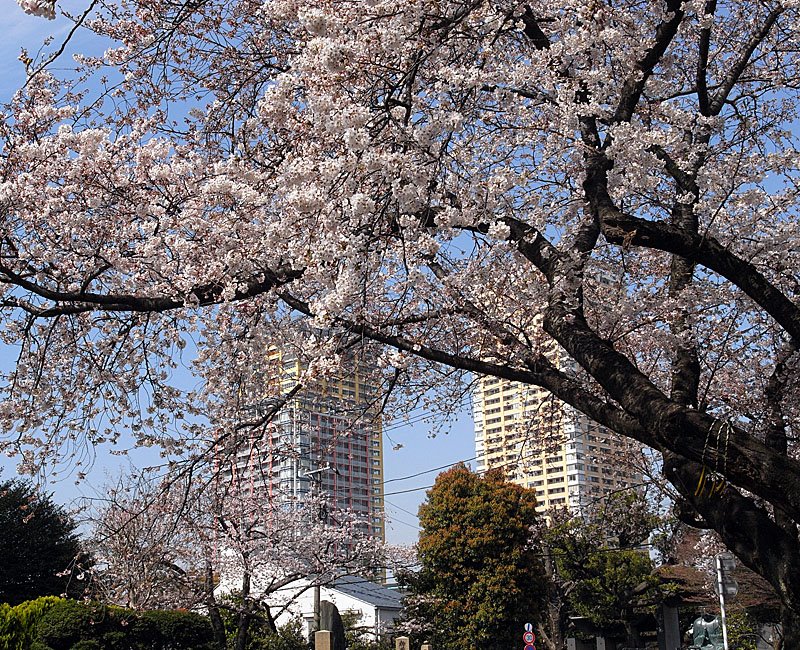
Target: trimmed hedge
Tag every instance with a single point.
(58, 624)
(174, 630)
(18, 623)
(69, 622)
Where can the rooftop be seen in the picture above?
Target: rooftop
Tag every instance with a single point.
(369, 592)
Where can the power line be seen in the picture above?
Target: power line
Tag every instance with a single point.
(408, 512)
(594, 499)
(417, 489)
(428, 471)
(405, 523)
(427, 487)
(399, 424)
(434, 469)
(394, 505)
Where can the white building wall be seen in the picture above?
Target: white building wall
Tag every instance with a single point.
(296, 600)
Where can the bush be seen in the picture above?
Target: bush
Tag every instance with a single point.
(288, 637)
(18, 624)
(70, 625)
(173, 630)
(38, 645)
(88, 644)
(68, 622)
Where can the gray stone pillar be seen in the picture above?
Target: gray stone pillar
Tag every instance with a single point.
(426, 646)
(672, 628)
(601, 642)
(402, 643)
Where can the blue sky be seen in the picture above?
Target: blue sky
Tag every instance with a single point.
(410, 449)
(22, 31)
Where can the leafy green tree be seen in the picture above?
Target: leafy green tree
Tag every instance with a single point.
(604, 572)
(41, 552)
(480, 578)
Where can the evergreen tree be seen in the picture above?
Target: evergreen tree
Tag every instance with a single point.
(602, 565)
(40, 549)
(480, 577)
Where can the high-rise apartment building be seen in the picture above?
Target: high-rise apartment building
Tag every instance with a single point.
(326, 440)
(549, 446)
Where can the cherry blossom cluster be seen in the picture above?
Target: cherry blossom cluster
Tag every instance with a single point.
(43, 8)
(371, 184)
(154, 539)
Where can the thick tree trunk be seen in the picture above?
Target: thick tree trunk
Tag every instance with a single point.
(217, 626)
(245, 615)
(790, 634)
(768, 547)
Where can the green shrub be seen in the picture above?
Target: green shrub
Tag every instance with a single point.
(288, 637)
(88, 644)
(38, 645)
(173, 630)
(69, 625)
(18, 624)
(69, 622)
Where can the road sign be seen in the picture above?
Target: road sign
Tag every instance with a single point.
(530, 647)
(727, 561)
(529, 627)
(725, 582)
(529, 637)
(729, 587)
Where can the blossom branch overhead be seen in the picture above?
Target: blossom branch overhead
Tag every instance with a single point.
(469, 184)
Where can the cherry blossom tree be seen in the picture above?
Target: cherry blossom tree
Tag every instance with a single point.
(149, 553)
(181, 543)
(459, 181)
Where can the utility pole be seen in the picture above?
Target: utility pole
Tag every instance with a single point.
(315, 475)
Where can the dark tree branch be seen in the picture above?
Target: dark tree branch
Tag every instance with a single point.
(703, 98)
(745, 527)
(66, 302)
(747, 461)
(620, 228)
(533, 31)
(530, 242)
(634, 85)
(721, 96)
